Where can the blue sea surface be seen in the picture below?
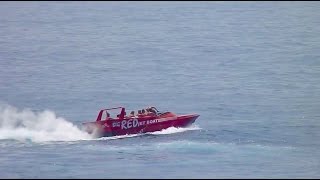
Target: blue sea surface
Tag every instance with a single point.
(250, 69)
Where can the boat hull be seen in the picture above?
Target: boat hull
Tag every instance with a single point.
(138, 125)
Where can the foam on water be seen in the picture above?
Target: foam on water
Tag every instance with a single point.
(173, 130)
(119, 137)
(26, 125)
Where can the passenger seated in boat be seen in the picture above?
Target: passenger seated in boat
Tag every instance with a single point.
(123, 115)
(108, 116)
(132, 114)
(139, 113)
(151, 111)
(143, 112)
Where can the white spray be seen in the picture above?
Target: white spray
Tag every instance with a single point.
(37, 127)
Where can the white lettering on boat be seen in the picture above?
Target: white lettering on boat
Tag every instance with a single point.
(141, 123)
(126, 124)
(152, 121)
(129, 123)
(116, 124)
(132, 123)
(123, 124)
(135, 123)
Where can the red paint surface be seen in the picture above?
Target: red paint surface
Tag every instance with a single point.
(123, 124)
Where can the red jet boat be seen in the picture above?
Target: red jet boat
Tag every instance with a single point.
(146, 120)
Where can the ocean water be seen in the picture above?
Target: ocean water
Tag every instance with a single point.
(250, 69)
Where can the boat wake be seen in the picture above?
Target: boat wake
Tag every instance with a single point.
(173, 130)
(26, 125)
